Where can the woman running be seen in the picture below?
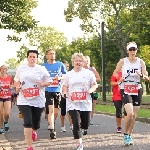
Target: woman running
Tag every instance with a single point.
(30, 82)
(131, 87)
(78, 84)
(116, 98)
(94, 95)
(5, 98)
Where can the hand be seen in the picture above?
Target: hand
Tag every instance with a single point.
(138, 72)
(56, 78)
(89, 91)
(121, 79)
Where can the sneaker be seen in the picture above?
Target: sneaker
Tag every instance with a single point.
(91, 122)
(119, 130)
(34, 136)
(126, 140)
(84, 132)
(63, 129)
(130, 140)
(80, 147)
(6, 126)
(48, 127)
(30, 148)
(2, 131)
(71, 127)
(53, 134)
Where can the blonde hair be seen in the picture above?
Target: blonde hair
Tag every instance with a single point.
(131, 43)
(75, 55)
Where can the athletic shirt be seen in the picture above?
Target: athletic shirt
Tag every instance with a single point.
(5, 92)
(76, 82)
(129, 71)
(58, 68)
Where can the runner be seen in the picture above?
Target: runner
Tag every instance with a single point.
(63, 108)
(94, 95)
(30, 82)
(52, 93)
(116, 98)
(5, 99)
(77, 86)
(131, 98)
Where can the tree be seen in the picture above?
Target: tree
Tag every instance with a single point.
(15, 15)
(122, 18)
(43, 38)
(12, 63)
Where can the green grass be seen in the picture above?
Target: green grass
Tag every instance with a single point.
(144, 113)
(145, 98)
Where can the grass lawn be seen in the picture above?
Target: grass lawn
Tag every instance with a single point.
(144, 113)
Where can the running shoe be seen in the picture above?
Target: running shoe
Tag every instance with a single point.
(119, 130)
(80, 147)
(2, 131)
(63, 129)
(6, 126)
(130, 140)
(84, 131)
(48, 127)
(30, 148)
(71, 127)
(126, 140)
(91, 122)
(34, 136)
(52, 134)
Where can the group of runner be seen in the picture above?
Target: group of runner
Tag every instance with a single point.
(52, 86)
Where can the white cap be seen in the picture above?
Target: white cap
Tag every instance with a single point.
(131, 45)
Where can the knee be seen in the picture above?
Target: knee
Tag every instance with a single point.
(130, 115)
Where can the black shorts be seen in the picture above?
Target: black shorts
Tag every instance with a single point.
(5, 100)
(136, 99)
(63, 106)
(118, 107)
(52, 98)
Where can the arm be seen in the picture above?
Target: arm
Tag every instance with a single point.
(98, 79)
(93, 88)
(118, 67)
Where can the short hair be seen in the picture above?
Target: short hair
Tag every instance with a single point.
(32, 51)
(77, 55)
(49, 51)
(3, 66)
(65, 62)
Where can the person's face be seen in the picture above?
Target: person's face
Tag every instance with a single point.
(3, 69)
(78, 62)
(87, 62)
(132, 51)
(32, 58)
(67, 66)
(50, 55)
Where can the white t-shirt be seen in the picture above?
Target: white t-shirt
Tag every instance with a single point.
(79, 82)
(28, 76)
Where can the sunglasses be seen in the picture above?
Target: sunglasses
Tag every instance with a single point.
(132, 49)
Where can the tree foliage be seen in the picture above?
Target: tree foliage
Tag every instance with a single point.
(122, 18)
(15, 15)
(12, 63)
(43, 38)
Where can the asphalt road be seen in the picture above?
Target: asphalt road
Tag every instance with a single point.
(101, 136)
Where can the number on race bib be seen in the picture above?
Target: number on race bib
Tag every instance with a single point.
(131, 89)
(55, 83)
(78, 96)
(5, 93)
(30, 92)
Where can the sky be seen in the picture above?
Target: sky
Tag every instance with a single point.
(49, 13)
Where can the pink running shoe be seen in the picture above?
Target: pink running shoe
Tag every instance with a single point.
(34, 136)
(30, 148)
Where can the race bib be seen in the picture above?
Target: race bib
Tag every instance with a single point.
(55, 83)
(5, 93)
(30, 93)
(78, 96)
(131, 88)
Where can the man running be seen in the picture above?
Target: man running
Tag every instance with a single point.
(52, 93)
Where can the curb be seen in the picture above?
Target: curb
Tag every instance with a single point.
(140, 119)
(4, 143)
